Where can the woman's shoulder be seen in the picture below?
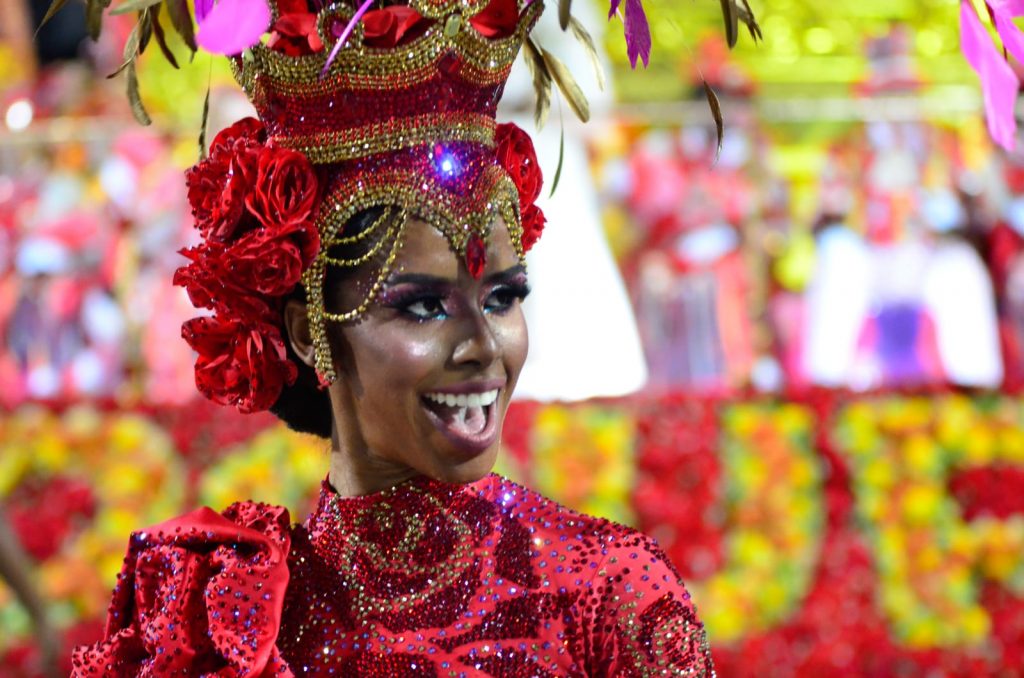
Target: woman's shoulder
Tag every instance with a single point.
(641, 613)
(197, 593)
(548, 518)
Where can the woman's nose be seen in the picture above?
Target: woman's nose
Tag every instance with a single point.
(478, 343)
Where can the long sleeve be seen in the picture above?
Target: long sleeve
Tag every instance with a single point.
(198, 595)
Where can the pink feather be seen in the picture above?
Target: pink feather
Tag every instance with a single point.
(231, 26)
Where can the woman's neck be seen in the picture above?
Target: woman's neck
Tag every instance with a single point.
(353, 475)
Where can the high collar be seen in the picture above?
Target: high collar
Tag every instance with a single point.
(399, 530)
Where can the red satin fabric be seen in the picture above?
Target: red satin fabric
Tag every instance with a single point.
(198, 595)
(399, 24)
(423, 580)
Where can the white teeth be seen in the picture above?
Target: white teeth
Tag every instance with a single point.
(465, 399)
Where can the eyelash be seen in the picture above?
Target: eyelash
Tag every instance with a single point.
(404, 304)
(517, 291)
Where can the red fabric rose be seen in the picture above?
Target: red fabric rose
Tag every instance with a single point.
(218, 186)
(516, 154)
(211, 284)
(201, 278)
(239, 364)
(269, 261)
(285, 188)
(294, 34)
(393, 26)
(533, 226)
(498, 20)
(247, 129)
(254, 204)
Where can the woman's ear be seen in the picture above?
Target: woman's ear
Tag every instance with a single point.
(296, 323)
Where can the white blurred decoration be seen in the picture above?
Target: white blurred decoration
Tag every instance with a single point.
(19, 115)
(838, 301)
(583, 335)
(958, 294)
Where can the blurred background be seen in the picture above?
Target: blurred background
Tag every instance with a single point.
(798, 365)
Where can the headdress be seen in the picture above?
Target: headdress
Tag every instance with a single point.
(402, 118)
(361, 104)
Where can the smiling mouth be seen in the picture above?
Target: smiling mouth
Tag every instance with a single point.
(468, 420)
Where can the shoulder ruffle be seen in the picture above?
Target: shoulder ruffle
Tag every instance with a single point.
(198, 595)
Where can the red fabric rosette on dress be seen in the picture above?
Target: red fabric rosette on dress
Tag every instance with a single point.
(198, 595)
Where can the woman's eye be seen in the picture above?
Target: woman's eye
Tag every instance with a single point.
(503, 298)
(427, 308)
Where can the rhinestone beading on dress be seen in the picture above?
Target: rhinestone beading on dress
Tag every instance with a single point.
(487, 579)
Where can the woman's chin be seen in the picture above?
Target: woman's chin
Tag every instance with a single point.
(453, 467)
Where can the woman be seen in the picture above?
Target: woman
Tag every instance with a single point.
(362, 258)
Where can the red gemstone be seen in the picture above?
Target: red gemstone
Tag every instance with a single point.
(476, 257)
(450, 63)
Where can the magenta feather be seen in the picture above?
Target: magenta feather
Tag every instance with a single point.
(638, 33)
(231, 26)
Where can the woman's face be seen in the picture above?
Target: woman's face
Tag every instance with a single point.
(425, 377)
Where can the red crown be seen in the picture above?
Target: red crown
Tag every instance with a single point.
(429, 72)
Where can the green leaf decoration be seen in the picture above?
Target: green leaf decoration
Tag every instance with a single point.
(561, 157)
(161, 39)
(731, 18)
(716, 112)
(134, 6)
(583, 36)
(181, 19)
(541, 81)
(55, 6)
(138, 110)
(567, 85)
(564, 13)
(94, 16)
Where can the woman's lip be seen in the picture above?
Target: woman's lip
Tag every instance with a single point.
(471, 445)
(471, 387)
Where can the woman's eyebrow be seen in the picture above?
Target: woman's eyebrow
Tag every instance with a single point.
(507, 274)
(437, 281)
(418, 279)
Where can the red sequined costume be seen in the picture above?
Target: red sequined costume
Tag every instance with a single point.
(425, 579)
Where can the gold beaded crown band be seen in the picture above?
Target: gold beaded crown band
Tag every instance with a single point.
(393, 108)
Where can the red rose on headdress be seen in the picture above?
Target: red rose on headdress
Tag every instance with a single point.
(516, 154)
(238, 364)
(211, 284)
(217, 188)
(533, 226)
(392, 26)
(247, 129)
(498, 20)
(285, 188)
(295, 34)
(270, 261)
(202, 278)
